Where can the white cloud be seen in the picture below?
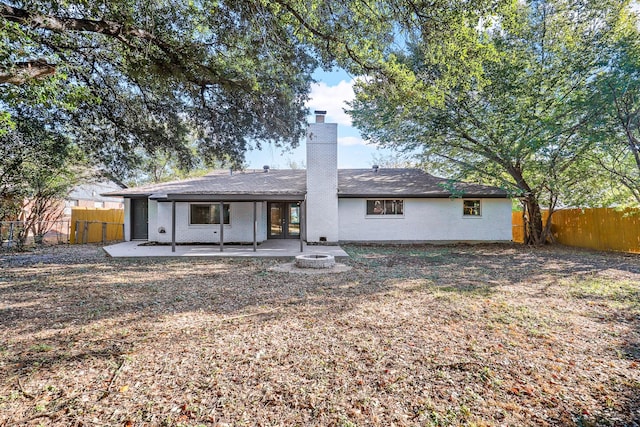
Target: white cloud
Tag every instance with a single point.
(351, 140)
(332, 99)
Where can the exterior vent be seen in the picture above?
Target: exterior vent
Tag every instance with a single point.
(375, 168)
(320, 116)
(266, 168)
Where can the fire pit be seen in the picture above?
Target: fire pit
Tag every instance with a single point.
(315, 261)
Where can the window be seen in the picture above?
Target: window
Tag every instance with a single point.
(385, 207)
(208, 214)
(471, 207)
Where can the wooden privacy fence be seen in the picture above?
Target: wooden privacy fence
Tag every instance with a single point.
(600, 228)
(93, 225)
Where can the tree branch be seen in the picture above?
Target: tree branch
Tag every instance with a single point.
(124, 34)
(63, 24)
(25, 71)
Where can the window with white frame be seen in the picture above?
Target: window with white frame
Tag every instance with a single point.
(385, 207)
(471, 208)
(200, 214)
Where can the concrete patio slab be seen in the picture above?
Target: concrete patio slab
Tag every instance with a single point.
(268, 249)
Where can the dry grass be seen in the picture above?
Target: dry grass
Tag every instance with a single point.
(459, 335)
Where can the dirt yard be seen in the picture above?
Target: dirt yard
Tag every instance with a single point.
(420, 335)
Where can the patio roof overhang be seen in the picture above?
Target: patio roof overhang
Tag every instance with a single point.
(232, 197)
(221, 199)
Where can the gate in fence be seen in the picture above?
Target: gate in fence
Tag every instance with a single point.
(95, 225)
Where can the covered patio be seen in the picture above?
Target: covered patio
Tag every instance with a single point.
(273, 202)
(269, 249)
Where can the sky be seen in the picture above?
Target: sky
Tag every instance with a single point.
(330, 94)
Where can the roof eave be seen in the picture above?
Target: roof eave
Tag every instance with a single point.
(127, 195)
(419, 196)
(233, 197)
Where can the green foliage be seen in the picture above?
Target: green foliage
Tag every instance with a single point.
(162, 166)
(38, 168)
(617, 114)
(516, 116)
(137, 78)
(154, 74)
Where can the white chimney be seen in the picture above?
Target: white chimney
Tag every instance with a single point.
(322, 180)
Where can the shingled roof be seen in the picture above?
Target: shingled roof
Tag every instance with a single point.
(407, 183)
(285, 183)
(291, 184)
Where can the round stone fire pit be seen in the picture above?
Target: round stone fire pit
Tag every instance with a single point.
(315, 261)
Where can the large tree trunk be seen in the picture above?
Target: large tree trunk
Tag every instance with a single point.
(535, 233)
(534, 229)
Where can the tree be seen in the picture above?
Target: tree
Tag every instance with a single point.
(237, 72)
(517, 122)
(393, 160)
(154, 71)
(617, 111)
(38, 168)
(43, 205)
(162, 166)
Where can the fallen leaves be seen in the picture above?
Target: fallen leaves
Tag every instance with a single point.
(484, 335)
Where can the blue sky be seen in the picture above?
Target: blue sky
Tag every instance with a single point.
(330, 93)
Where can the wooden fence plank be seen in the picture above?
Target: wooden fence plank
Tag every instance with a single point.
(599, 228)
(91, 220)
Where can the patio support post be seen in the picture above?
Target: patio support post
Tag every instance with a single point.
(301, 219)
(221, 226)
(173, 226)
(255, 226)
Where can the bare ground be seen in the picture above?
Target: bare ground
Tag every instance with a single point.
(417, 335)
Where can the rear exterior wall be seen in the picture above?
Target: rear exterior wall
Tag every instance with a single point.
(426, 220)
(239, 229)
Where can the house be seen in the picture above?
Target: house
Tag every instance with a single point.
(89, 195)
(319, 205)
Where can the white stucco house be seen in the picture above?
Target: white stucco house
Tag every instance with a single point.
(320, 204)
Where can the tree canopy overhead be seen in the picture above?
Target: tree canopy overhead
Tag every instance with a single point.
(228, 75)
(155, 74)
(617, 111)
(523, 121)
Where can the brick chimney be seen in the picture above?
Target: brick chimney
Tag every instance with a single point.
(322, 180)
